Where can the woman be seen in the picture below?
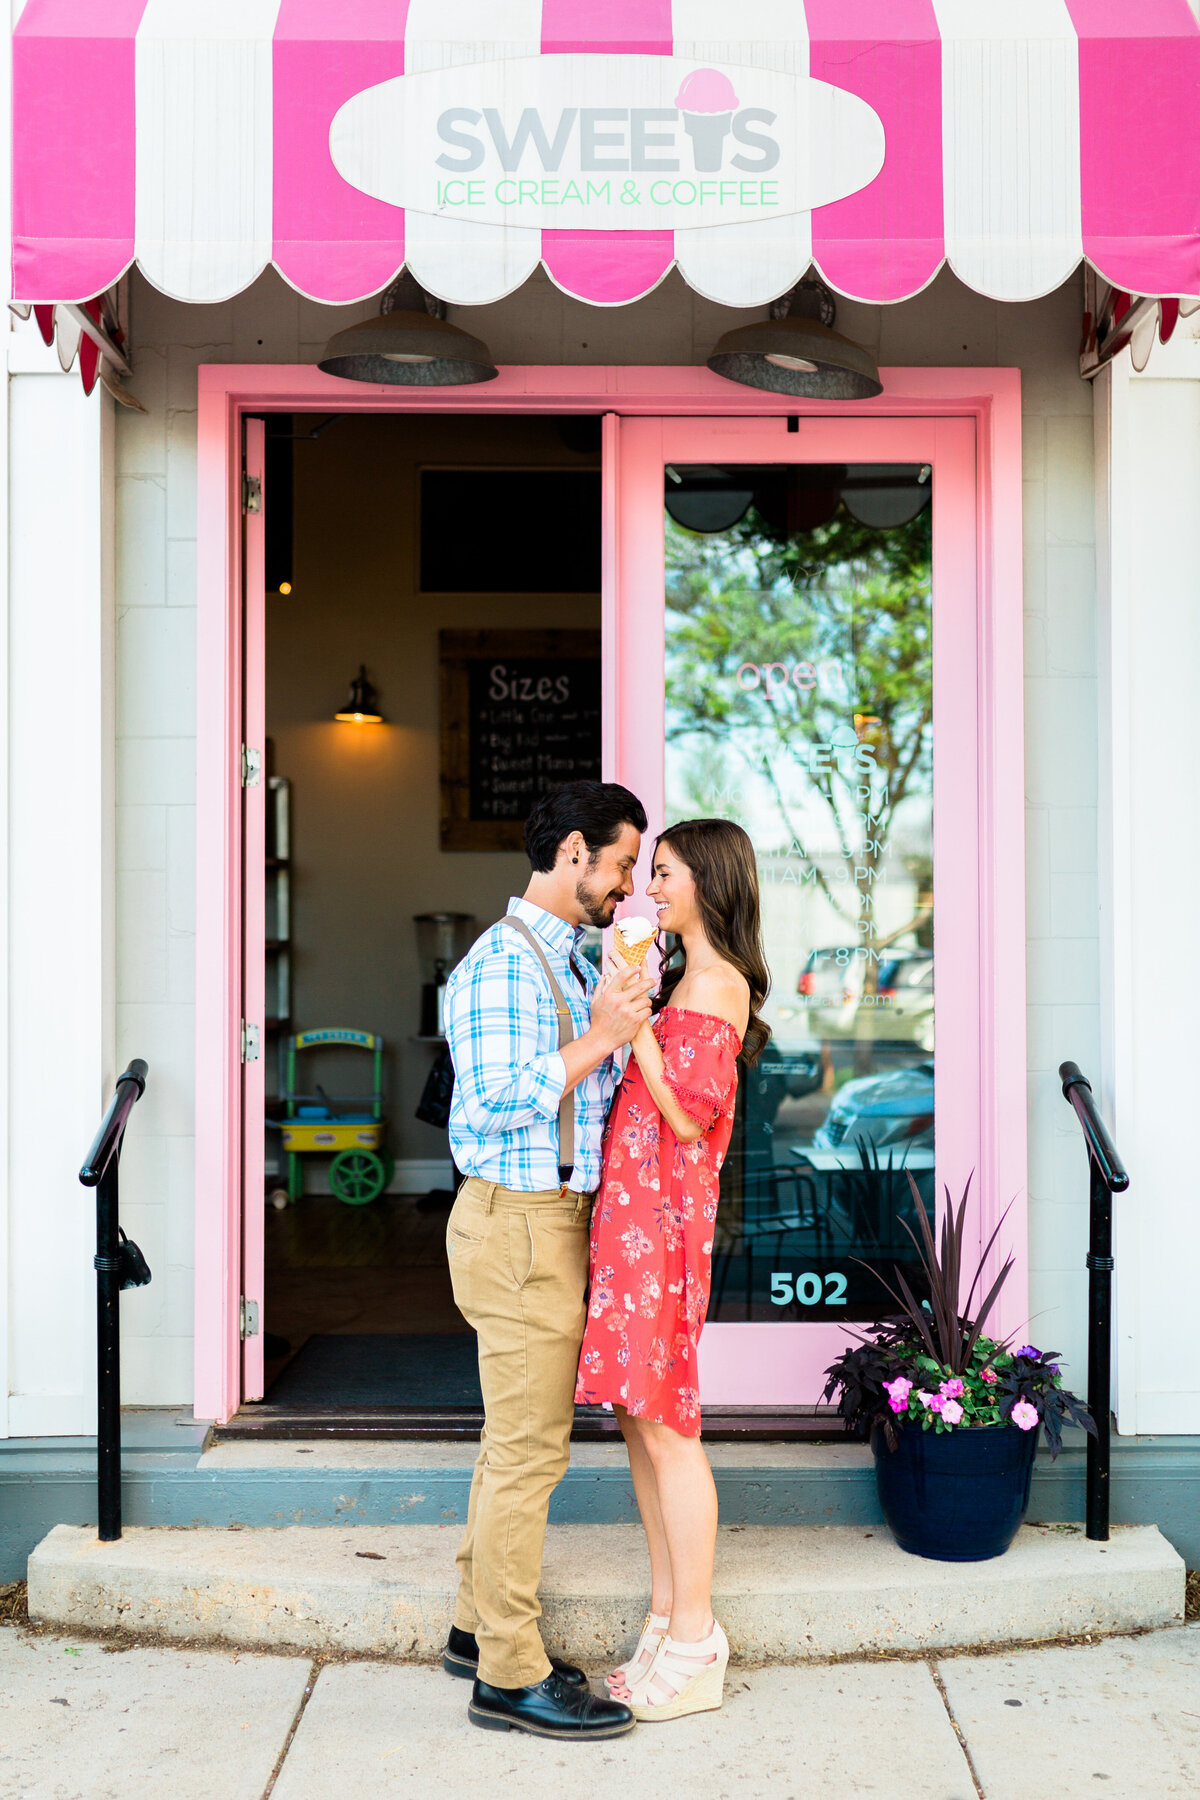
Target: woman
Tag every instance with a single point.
(651, 1246)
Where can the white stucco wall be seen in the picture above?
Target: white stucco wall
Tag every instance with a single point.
(155, 579)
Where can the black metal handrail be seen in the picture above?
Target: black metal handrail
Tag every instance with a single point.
(1107, 1177)
(112, 1126)
(118, 1264)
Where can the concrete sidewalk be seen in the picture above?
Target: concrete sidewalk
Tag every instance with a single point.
(80, 1720)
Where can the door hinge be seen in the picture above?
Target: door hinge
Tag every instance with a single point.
(250, 1042)
(251, 494)
(251, 767)
(249, 1317)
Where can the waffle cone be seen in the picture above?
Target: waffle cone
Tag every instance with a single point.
(633, 954)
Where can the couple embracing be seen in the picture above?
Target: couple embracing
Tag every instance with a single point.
(580, 1243)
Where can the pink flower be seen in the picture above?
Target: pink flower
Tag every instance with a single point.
(952, 1412)
(931, 1402)
(988, 1375)
(1024, 1415)
(897, 1392)
(953, 1389)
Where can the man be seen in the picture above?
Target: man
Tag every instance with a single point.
(533, 1041)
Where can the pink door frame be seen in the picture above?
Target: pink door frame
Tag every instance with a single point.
(254, 927)
(992, 792)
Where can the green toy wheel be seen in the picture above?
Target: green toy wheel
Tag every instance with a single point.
(357, 1176)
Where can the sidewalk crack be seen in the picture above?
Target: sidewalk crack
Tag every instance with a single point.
(314, 1669)
(940, 1685)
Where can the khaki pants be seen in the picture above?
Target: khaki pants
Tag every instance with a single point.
(518, 1264)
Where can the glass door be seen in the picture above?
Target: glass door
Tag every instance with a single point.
(806, 599)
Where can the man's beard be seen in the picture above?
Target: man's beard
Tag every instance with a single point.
(597, 908)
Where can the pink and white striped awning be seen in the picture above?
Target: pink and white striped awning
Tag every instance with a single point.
(608, 140)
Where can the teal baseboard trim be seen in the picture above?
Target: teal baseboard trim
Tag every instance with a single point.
(48, 1482)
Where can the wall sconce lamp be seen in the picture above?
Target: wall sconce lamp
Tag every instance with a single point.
(362, 705)
(796, 351)
(410, 344)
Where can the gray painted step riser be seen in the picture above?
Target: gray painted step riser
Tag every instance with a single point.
(781, 1594)
(172, 1491)
(32, 1502)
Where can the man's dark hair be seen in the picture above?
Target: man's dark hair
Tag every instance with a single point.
(596, 808)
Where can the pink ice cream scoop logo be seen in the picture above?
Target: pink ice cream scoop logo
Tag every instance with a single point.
(707, 103)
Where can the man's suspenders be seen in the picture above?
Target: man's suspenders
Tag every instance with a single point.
(566, 1035)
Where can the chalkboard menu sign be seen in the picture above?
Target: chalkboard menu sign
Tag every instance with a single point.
(520, 713)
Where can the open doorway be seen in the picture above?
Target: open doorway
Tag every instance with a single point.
(452, 564)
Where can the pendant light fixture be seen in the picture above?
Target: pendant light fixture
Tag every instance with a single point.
(362, 706)
(410, 344)
(796, 351)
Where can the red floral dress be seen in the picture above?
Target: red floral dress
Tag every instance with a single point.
(652, 1228)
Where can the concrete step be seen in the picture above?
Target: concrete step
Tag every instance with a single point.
(783, 1593)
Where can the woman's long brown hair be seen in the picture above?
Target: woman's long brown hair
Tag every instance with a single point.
(721, 859)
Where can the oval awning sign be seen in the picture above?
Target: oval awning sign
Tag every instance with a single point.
(606, 143)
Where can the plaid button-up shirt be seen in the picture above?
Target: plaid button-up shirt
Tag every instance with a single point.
(502, 1028)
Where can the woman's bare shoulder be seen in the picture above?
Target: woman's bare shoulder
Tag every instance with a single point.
(723, 990)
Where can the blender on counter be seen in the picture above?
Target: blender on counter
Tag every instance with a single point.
(443, 939)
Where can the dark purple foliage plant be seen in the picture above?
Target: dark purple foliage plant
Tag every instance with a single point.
(931, 1366)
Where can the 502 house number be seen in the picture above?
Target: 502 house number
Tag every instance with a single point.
(808, 1289)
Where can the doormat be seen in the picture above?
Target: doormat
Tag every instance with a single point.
(381, 1369)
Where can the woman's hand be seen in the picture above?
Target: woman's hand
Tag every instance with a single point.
(616, 967)
(613, 972)
(620, 1007)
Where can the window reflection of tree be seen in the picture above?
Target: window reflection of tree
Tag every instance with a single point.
(842, 593)
(841, 596)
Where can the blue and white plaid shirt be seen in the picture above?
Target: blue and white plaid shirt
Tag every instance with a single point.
(509, 1076)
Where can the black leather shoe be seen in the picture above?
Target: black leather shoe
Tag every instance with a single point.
(461, 1657)
(552, 1709)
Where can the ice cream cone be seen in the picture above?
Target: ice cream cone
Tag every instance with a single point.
(707, 103)
(633, 954)
(633, 948)
(708, 132)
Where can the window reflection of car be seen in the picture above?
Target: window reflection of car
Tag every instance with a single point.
(788, 1069)
(892, 1112)
(901, 1006)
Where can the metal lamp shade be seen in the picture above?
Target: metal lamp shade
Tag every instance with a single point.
(796, 356)
(362, 703)
(408, 349)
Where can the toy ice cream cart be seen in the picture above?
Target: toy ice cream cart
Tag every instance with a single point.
(348, 1127)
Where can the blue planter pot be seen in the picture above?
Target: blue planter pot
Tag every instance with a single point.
(955, 1496)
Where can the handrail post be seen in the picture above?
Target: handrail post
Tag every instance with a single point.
(118, 1263)
(1107, 1177)
(1099, 1389)
(108, 1354)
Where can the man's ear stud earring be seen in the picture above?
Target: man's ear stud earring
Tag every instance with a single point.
(574, 859)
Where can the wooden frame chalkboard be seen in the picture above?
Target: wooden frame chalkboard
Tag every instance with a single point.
(520, 711)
